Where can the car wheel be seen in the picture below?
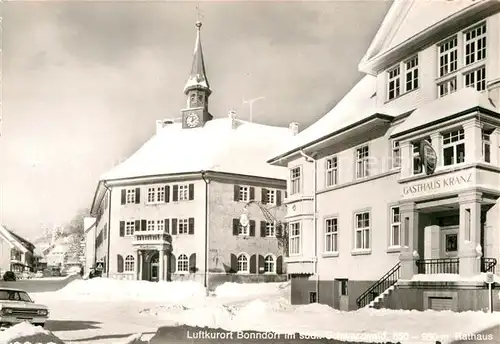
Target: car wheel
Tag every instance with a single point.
(41, 325)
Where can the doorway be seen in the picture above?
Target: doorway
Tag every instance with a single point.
(154, 267)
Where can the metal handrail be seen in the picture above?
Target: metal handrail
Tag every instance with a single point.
(387, 281)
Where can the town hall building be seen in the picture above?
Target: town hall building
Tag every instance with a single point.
(172, 210)
(396, 190)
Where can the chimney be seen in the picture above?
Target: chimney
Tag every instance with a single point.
(294, 128)
(162, 123)
(232, 116)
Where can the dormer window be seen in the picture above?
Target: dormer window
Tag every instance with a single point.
(409, 69)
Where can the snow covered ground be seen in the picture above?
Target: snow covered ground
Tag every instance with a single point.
(109, 311)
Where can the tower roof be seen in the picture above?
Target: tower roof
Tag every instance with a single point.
(198, 77)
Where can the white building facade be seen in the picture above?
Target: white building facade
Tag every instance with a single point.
(398, 185)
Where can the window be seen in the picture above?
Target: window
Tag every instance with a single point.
(151, 225)
(362, 162)
(271, 197)
(313, 297)
(129, 227)
(476, 79)
(244, 230)
(182, 263)
(183, 193)
(362, 237)
(331, 243)
(270, 229)
(294, 238)
(394, 83)
(395, 227)
(411, 79)
(129, 263)
(242, 263)
(475, 44)
(183, 226)
(486, 146)
(331, 171)
(160, 194)
(448, 56)
(295, 180)
(151, 195)
(130, 196)
(454, 147)
(244, 194)
(396, 154)
(269, 266)
(160, 225)
(447, 87)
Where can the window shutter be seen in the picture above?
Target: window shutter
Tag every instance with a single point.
(278, 228)
(253, 264)
(175, 194)
(252, 227)
(234, 263)
(137, 195)
(279, 265)
(236, 226)
(191, 225)
(167, 226)
(174, 226)
(191, 192)
(252, 193)
(236, 193)
(173, 264)
(167, 193)
(192, 263)
(263, 225)
(142, 226)
(124, 196)
(278, 197)
(263, 196)
(122, 228)
(119, 260)
(261, 264)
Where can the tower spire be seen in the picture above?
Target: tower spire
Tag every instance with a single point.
(198, 78)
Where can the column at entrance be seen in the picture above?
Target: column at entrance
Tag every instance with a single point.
(138, 265)
(469, 235)
(167, 265)
(161, 261)
(409, 240)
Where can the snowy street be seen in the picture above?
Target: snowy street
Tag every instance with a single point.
(110, 311)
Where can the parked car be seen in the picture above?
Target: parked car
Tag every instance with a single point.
(9, 276)
(16, 306)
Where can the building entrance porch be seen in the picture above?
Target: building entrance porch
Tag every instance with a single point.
(447, 236)
(153, 265)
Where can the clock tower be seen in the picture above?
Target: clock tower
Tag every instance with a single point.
(197, 89)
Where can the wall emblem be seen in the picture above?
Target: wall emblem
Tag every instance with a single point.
(428, 157)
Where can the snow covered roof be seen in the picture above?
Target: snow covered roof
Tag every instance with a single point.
(441, 108)
(15, 240)
(219, 146)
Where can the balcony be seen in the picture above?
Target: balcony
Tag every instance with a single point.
(152, 240)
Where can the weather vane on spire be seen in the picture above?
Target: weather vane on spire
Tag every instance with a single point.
(199, 15)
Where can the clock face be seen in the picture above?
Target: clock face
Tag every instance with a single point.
(192, 120)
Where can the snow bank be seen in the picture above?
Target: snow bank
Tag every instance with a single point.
(238, 290)
(105, 289)
(21, 330)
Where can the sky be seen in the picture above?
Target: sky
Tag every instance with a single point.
(83, 82)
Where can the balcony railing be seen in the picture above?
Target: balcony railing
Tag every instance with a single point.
(438, 266)
(151, 238)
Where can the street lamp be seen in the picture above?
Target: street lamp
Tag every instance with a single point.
(250, 103)
(281, 228)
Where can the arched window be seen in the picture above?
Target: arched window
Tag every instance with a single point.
(129, 263)
(182, 263)
(269, 264)
(242, 263)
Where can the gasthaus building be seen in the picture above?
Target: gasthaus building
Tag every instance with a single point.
(393, 195)
(172, 210)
